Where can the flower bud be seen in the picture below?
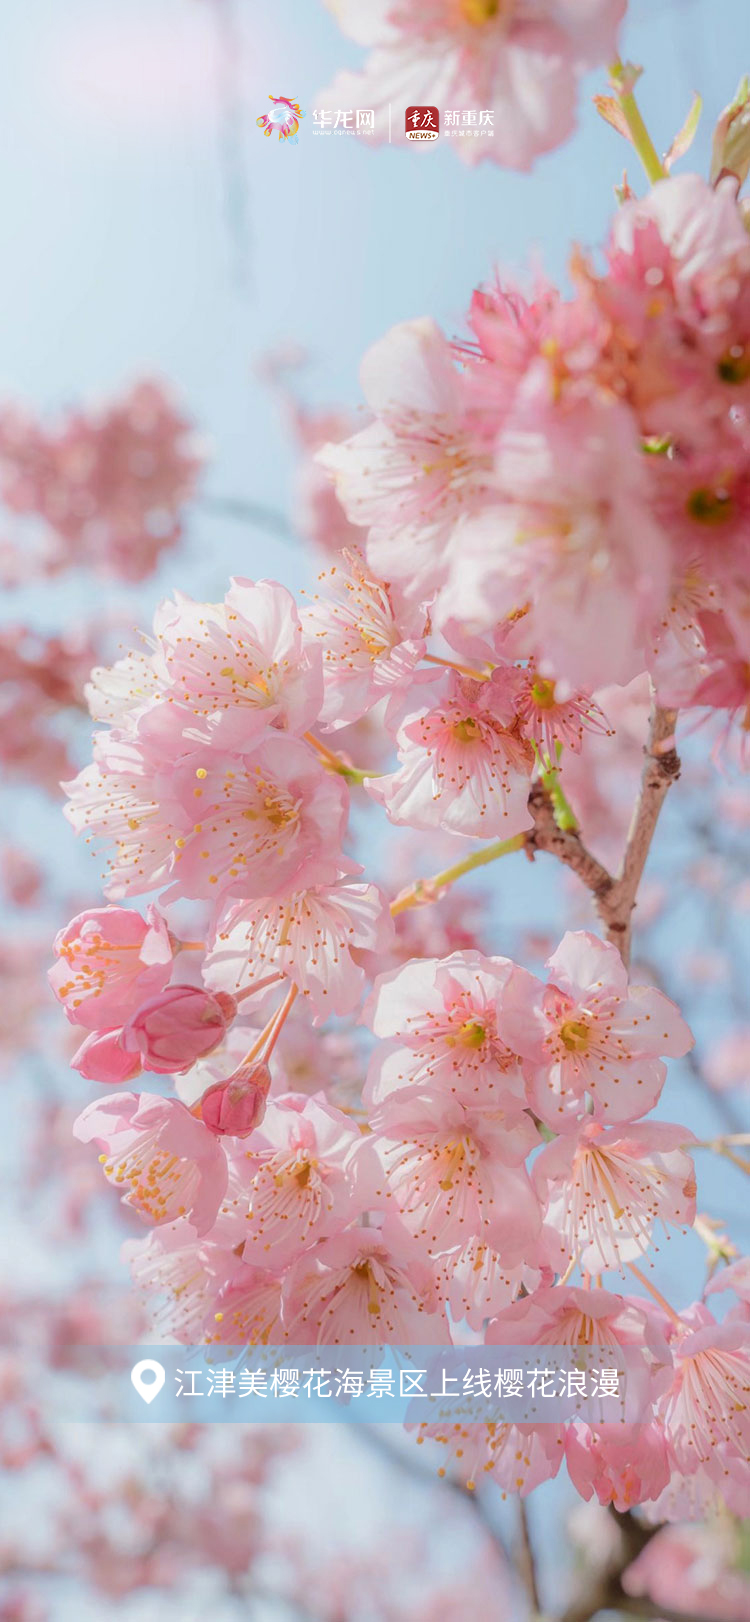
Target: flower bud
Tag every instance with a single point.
(234, 1108)
(730, 153)
(172, 1031)
(102, 1057)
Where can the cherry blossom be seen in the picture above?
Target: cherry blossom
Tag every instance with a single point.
(517, 1457)
(239, 666)
(455, 1174)
(212, 822)
(309, 937)
(606, 1188)
(361, 1287)
(439, 1024)
(426, 460)
(109, 484)
(588, 1033)
(622, 1467)
(705, 1412)
(462, 765)
(164, 1161)
(522, 61)
(109, 961)
(299, 1179)
(371, 647)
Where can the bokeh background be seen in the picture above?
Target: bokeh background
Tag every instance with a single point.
(151, 232)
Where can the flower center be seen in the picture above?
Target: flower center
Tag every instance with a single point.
(478, 12)
(471, 1034)
(574, 1035)
(734, 366)
(710, 506)
(543, 694)
(364, 1271)
(467, 731)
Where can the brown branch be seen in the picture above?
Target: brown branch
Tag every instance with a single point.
(566, 845)
(661, 769)
(602, 1588)
(614, 898)
(603, 1591)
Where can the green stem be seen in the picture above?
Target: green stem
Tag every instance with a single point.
(549, 776)
(631, 112)
(428, 889)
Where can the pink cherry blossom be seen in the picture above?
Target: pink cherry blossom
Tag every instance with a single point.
(463, 767)
(165, 1163)
(301, 1179)
(438, 1023)
(570, 536)
(240, 666)
(607, 1187)
(522, 62)
(109, 485)
(476, 1283)
(623, 1466)
(411, 475)
(588, 1033)
(371, 644)
(693, 1569)
(364, 1287)
(178, 1026)
(517, 1457)
(246, 824)
(629, 1331)
(308, 936)
(550, 713)
(170, 1270)
(247, 1309)
(706, 1413)
(455, 1174)
(109, 961)
(735, 1277)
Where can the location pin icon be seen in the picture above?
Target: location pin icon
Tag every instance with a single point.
(148, 1378)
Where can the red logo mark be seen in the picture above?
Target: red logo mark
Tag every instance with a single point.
(422, 123)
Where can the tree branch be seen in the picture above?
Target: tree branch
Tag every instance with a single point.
(603, 1589)
(661, 769)
(566, 844)
(615, 898)
(246, 512)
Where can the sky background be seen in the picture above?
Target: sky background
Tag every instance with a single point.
(149, 228)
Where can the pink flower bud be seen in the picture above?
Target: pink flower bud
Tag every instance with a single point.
(102, 1057)
(234, 1108)
(172, 1031)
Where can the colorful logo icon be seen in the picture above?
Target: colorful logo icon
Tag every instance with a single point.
(422, 123)
(284, 117)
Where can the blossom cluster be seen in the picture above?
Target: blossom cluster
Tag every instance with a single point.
(572, 484)
(561, 504)
(105, 487)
